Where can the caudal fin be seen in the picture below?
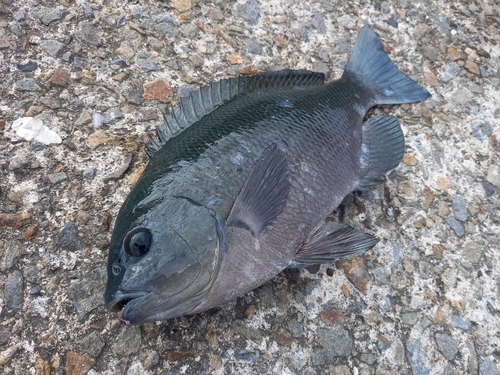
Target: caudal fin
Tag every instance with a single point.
(371, 65)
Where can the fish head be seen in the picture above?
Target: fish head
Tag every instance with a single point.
(163, 262)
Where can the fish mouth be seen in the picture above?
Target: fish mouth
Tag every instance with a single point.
(122, 300)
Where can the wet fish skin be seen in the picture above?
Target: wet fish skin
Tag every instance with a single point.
(244, 189)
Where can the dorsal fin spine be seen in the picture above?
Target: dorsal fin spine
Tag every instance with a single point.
(206, 99)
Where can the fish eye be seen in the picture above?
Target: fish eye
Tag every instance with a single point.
(116, 269)
(138, 242)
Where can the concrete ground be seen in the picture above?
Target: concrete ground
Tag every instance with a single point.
(425, 300)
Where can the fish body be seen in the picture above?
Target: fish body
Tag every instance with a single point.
(242, 178)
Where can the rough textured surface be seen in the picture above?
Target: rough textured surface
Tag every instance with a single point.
(99, 72)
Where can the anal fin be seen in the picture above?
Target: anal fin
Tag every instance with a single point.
(382, 150)
(264, 194)
(332, 241)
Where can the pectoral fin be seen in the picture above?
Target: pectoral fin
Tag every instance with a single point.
(264, 194)
(332, 241)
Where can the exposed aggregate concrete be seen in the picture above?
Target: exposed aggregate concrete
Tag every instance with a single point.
(425, 300)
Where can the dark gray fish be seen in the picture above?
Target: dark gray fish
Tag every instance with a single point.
(242, 178)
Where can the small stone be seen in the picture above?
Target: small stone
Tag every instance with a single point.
(451, 72)
(77, 364)
(52, 284)
(443, 183)
(147, 114)
(481, 131)
(256, 48)
(488, 368)
(157, 90)
(51, 102)
(56, 178)
(112, 115)
(333, 342)
(234, 59)
(493, 176)
(247, 355)
(134, 97)
(126, 50)
(60, 76)
(409, 317)
(472, 67)
(30, 274)
(120, 77)
(211, 337)
(86, 77)
(88, 33)
(489, 190)
(47, 15)
(428, 197)
(439, 317)
(438, 250)
(98, 138)
(5, 335)
(284, 338)
(476, 89)
(87, 10)
(459, 208)
(443, 209)
(453, 54)
(318, 21)
(249, 11)
(92, 344)
(68, 238)
(409, 160)
(30, 232)
(332, 317)
(86, 294)
(447, 345)
(27, 84)
(120, 171)
(8, 353)
(84, 118)
(429, 52)
(383, 343)
(472, 251)
(151, 360)
(147, 65)
(459, 323)
(456, 226)
(134, 177)
(197, 60)
(281, 42)
(356, 272)
(182, 5)
(461, 97)
(30, 66)
(19, 15)
(52, 47)
(15, 220)
(167, 29)
(431, 78)
(413, 354)
(14, 297)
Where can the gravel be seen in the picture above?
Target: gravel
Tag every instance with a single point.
(100, 74)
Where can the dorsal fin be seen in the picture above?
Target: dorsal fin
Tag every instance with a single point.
(203, 101)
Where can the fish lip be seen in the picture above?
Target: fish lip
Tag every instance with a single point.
(122, 300)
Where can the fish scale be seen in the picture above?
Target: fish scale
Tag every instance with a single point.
(242, 179)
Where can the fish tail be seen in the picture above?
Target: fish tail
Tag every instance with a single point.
(371, 65)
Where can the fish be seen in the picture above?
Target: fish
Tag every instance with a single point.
(243, 178)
